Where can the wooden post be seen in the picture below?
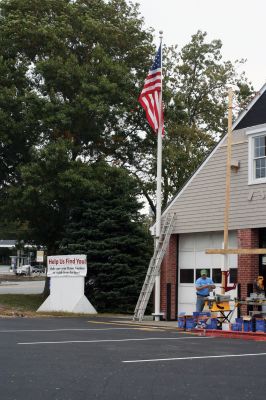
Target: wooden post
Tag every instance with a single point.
(227, 187)
(236, 251)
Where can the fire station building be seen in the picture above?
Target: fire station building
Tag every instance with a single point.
(199, 208)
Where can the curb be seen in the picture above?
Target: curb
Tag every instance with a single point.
(259, 336)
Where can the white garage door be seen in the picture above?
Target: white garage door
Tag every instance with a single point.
(192, 259)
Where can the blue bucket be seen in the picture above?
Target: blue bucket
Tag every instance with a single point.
(247, 326)
(260, 325)
(205, 314)
(181, 322)
(190, 323)
(213, 324)
(239, 322)
(235, 327)
(196, 314)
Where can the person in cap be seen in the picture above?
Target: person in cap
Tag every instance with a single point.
(204, 286)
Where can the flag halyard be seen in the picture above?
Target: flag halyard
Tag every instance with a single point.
(151, 94)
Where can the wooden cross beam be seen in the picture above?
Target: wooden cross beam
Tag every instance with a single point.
(235, 251)
(226, 251)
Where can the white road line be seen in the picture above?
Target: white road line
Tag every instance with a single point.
(65, 330)
(195, 358)
(117, 340)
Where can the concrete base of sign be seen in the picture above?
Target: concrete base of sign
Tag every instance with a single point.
(67, 294)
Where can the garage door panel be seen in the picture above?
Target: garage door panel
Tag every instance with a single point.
(203, 260)
(187, 242)
(185, 295)
(187, 259)
(202, 242)
(217, 260)
(232, 260)
(197, 259)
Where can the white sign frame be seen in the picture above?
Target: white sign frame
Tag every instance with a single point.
(67, 277)
(72, 265)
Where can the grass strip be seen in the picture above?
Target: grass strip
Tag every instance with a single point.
(21, 302)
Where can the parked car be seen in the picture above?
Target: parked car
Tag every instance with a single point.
(24, 270)
(38, 269)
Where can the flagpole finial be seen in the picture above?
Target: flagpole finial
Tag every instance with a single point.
(161, 34)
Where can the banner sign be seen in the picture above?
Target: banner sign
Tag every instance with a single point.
(70, 265)
(40, 256)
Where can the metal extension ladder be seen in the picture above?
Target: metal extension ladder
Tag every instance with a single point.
(154, 267)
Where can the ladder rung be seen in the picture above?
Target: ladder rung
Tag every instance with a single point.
(154, 267)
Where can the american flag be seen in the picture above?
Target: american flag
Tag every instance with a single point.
(151, 95)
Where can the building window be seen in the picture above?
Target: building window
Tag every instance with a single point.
(260, 157)
(217, 275)
(257, 156)
(233, 275)
(186, 275)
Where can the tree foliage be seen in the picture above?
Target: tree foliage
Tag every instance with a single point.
(195, 94)
(48, 186)
(73, 65)
(79, 67)
(106, 225)
(70, 207)
(198, 79)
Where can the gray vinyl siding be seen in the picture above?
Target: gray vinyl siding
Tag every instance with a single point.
(200, 205)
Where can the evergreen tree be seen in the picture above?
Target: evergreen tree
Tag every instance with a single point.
(108, 228)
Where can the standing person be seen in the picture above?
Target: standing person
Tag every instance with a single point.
(203, 287)
(258, 287)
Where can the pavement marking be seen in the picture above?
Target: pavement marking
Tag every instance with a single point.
(150, 329)
(195, 358)
(108, 323)
(114, 340)
(118, 323)
(66, 329)
(132, 324)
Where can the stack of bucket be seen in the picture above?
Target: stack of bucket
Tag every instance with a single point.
(254, 325)
(213, 323)
(204, 320)
(185, 322)
(181, 322)
(246, 324)
(199, 319)
(238, 325)
(260, 325)
(190, 322)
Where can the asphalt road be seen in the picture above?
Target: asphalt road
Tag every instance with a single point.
(81, 359)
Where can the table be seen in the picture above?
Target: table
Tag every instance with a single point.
(256, 303)
(223, 308)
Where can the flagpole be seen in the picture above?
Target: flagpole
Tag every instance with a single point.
(157, 296)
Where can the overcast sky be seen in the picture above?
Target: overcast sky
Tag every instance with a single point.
(240, 24)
